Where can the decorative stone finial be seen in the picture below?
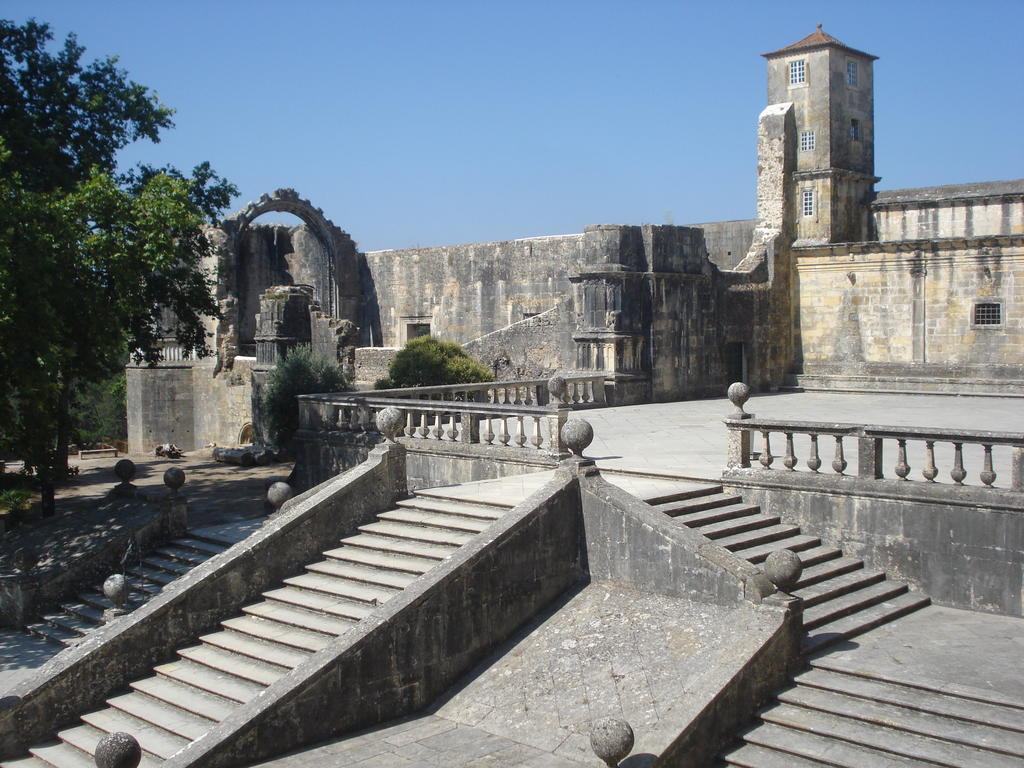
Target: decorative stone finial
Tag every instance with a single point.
(125, 469)
(118, 750)
(278, 494)
(174, 478)
(115, 588)
(577, 435)
(783, 569)
(738, 394)
(24, 559)
(389, 422)
(556, 387)
(611, 739)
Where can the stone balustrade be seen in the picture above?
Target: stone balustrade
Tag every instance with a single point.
(578, 391)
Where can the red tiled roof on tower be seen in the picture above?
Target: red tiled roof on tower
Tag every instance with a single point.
(817, 39)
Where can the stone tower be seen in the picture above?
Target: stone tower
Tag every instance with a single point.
(831, 184)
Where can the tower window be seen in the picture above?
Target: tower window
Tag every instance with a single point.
(988, 313)
(806, 141)
(855, 130)
(852, 75)
(797, 72)
(807, 202)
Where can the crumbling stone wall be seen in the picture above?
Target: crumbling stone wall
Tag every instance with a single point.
(530, 349)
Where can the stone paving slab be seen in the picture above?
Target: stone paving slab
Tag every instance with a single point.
(606, 650)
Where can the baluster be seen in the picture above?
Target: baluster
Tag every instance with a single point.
(537, 440)
(957, 473)
(576, 392)
(410, 425)
(342, 420)
(452, 433)
(354, 419)
(424, 430)
(520, 432)
(839, 462)
(987, 475)
(766, 451)
(790, 460)
(814, 460)
(438, 430)
(930, 471)
(902, 467)
(488, 434)
(505, 398)
(504, 435)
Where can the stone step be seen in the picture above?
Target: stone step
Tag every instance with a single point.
(469, 511)
(151, 574)
(771, 533)
(318, 601)
(210, 680)
(718, 514)
(58, 754)
(245, 645)
(441, 520)
(738, 525)
(698, 503)
(797, 544)
(100, 602)
(687, 491)
(82, 610)
(756, 756)
(379, 577)
(284, 634)
(338, 585)
(418, 533)
(399, 546)
(84, 739)
(185, 697)
(167, 565)
(886, 739)
(56, 635)
(837, 586)
(26, 762)
(291, 615)
(824, 749)
(817, 555)
(444, 493)
(385, 561)
(189, 557)
(828, 569)
(235, 664)
(971, 734)
(143, 587)
(178, 721)
(69, 622)
(151, 738)
(844, 605)
(201, 544)
(862, 621)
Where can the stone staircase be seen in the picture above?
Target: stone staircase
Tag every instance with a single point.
(841, 598)
(227, 668)
(153, 572)
(836, 717)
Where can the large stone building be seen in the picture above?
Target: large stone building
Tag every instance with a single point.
(833, 285)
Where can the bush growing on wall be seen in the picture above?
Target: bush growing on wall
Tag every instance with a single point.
(426, 362)
(302, 372)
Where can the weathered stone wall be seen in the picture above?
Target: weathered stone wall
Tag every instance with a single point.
(960, 211)
(532, 348)
(464, 291)
(906, 309)
(727, 241)
(371, 364)
(160, 407)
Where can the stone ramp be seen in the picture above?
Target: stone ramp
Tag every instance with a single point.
(227, 668)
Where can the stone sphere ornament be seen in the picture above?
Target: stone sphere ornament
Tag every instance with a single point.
(118, 750)
(125, 469)
(738, 394)
(577, 435)
(611, 739)
(390, 422)
(24, 559)
(115, 588)
(279, 493)
(556, 388)
(783, 569)
(174, 478)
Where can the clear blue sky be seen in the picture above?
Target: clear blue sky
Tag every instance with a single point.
(429, 123)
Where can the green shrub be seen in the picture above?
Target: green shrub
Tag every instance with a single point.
(15, 500)
(302, 372)
(427, 362)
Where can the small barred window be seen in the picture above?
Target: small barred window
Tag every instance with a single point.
(988, 314)
(797, 72)
(807, 203)
(855, 130)
(852, 75)
(806, 141)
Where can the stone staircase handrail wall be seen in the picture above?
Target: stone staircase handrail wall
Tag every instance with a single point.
(870, 441)
(82, 677)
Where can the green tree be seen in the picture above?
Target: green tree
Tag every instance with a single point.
(92, 264)
(302, 372)
(426, 361)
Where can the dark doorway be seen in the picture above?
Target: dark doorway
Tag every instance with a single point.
(735, 361)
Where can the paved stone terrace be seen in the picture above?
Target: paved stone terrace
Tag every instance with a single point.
(606, 651)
